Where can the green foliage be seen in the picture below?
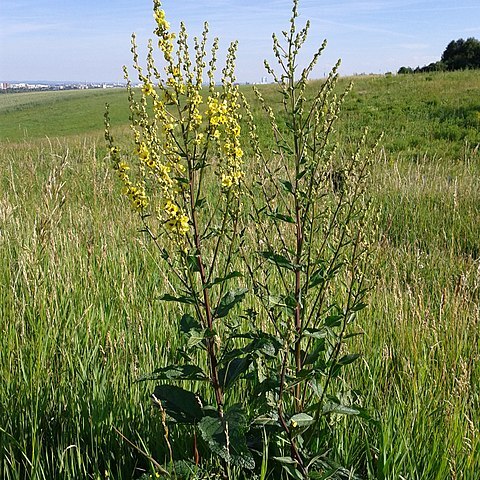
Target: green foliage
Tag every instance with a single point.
(309, 282)
(458, 55)
(461, 54)
(80, 319)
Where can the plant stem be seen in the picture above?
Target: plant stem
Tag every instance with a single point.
(210, 341)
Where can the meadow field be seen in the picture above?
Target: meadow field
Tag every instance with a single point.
(79, 320)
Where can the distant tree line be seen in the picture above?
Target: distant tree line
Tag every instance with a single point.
(459, 55)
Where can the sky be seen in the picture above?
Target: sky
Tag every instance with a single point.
(89, 40)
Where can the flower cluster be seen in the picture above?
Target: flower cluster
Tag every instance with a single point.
(165, 38)
(177, 221)
(224, 128)
(177, 127)
(135, 192)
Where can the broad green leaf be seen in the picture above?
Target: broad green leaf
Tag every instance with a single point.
(359, 306)
(333, 320)
(233, 371)
(331, 407)
(287, 185)
(192, 262)
(187, 323)
(180, 404)
(262, 343)
(314, 354)
(266, 420)
(219, 280)
(286, 303)
(177, 372)
(278, 259)
(196, 337)
(346, 359)
(282, 217)
(301, 420)
(213, 433)
(183, 299)
(318, 277)
(318, 333)
(229, 300)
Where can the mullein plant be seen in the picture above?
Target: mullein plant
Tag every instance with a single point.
(302, 243)
(314, 224)
(186, 143)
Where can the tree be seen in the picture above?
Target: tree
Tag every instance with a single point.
(405, 70)
(462, 54)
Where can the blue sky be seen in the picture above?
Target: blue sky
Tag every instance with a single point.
(89, 40)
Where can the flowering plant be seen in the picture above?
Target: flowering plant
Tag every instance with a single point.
(301, 251)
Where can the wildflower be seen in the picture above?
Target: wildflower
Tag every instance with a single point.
(148, 89)
(114, 151)
(162, 23)
(171, 209)
(122, 167)
(178, 224)
(227, 180)
(142, 151)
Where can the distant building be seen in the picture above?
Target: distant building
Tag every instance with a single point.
(3, 86)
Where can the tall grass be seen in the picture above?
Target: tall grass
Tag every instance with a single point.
(79, 322)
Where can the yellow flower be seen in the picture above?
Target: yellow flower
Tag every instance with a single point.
(227, 180)
(148, 89)
(183, 226)
(142, 151)
(171, 209)
(162, 23)
(114, 151)
(178, 224)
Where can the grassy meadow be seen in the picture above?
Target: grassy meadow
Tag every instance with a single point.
(79, 322)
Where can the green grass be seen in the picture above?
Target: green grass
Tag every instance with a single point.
(79, 322)
(26, 116)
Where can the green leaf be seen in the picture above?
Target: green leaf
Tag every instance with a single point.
(269, 420)
(177, 372)
(196, 337)
(229, 300)
(278, 259)
(233, 370)
(262, 343)
(285, 147)
(180, 404)
(213, 433)
(187, 323)
(332, 407)
(347, 359)
(314, 355)
(200, 203)
(219, 280)
(286, 303)
(183, 299)
(285, 460)
(301, 420)
(318, 277)
(359, 306)
(282, 217)
(333, 320)
(287, 186)
(289, 465)
(192, 262)
(318, 333)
